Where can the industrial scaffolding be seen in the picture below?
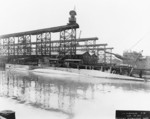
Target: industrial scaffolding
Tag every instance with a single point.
(21, 45)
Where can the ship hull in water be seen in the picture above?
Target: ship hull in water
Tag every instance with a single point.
(85, 72)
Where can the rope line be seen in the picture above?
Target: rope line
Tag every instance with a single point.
(138, 41)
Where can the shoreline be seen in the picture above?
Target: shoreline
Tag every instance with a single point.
(72, 71)
(85, 72)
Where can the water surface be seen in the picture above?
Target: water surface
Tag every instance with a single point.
(33, 95)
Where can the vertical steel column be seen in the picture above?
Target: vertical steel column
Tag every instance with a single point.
(50, 47)
(73, 42)
(36, 45)
(45, 40)
(9, 49)
(75, 38)
(30, 45)
(11, 46)
(107, 56)
(8, 46)
(48, 44)
(62, 43)
(1, 47)
(104, 54)
(14, 47)
(5, 46)
(27, 43)
(111, 57)
(86, 43)
(97, 51)
(21, 46)
(17, 46)
(24, 46)
(94, 47)
(39, 44)
(42, 43)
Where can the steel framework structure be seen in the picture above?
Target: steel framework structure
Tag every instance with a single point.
(21, 45)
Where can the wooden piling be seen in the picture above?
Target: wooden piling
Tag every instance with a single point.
(8, 114)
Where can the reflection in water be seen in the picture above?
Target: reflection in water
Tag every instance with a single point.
(60, 95)
(126, 85)
(54, 95)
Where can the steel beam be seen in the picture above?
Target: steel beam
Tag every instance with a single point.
(40, 31)
(83, 46)
(57, 41)
(97, 48)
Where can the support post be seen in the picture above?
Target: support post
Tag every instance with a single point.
(104, 54)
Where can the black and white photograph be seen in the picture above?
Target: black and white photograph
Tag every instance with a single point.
(74, 59)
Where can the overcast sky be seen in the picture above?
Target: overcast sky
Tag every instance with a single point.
(120, 23)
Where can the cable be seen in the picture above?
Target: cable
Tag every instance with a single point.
(137, 42)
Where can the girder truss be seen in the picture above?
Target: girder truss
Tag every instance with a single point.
(43, 45)
(67, 47)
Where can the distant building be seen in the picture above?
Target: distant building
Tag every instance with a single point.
(87, 58)
(132, 58)
(143, 63)
(94, 59)
(84, 58)
(136, 60)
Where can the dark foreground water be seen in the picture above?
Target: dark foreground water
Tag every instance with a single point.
(57, 96)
